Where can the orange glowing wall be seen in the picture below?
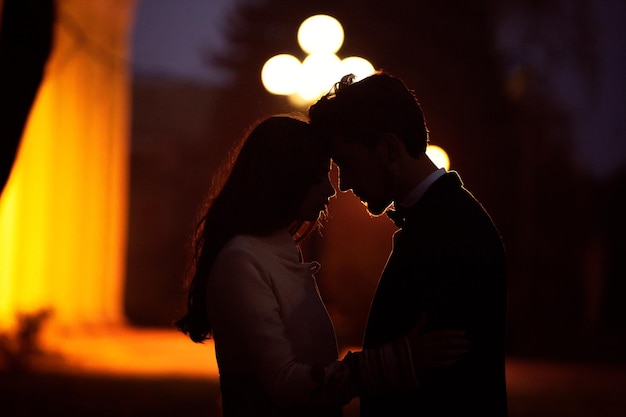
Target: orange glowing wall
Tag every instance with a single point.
(63, 212)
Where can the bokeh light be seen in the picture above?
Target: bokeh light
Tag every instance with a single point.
(438, 156)
(356, 65)
(281, 74)
(321, 37)
(319, 73)
(320, 34)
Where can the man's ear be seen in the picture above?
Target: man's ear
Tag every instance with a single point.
(390, 148)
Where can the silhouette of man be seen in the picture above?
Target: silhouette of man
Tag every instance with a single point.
(447, 262)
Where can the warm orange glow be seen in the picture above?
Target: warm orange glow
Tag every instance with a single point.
(130, 351)
(63, 211)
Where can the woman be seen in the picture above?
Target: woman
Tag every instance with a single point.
(252, 293)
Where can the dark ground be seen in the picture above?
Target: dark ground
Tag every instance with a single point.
(536, 389)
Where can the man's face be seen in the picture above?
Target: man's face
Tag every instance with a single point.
(362, 171)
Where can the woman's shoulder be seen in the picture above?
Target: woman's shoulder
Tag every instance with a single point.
(280, 244)
(246, 243)
(240, 258)
(246, 255)
(241, 242)
(241, 248)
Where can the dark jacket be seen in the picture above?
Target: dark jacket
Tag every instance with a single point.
(448, 261)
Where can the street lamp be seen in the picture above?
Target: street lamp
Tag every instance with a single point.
(303, 82)
(438, 156)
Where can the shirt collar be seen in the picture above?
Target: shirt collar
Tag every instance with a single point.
(413, 197)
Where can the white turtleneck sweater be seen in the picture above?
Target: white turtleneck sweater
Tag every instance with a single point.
(269, 322)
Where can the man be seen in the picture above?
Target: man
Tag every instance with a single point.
(448, 261)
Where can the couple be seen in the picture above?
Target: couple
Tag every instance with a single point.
(434, 342)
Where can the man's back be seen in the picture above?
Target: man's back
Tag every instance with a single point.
(448, 261)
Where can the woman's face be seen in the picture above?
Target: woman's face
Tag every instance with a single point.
(317, 198)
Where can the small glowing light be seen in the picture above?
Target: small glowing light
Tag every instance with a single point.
(438, 156)
(281, 74)
(360, 67)
(320, 34)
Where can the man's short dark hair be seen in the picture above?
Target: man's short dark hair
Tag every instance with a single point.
(364, 110)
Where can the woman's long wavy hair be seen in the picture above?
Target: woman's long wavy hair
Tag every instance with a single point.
(257, 193)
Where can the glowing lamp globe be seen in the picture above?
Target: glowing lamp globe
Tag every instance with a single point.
(320, 34)
(281, 74)
(319, 73)
(360, 67)
(438, 156)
